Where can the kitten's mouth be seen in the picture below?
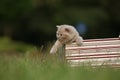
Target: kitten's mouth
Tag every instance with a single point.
(61, 39)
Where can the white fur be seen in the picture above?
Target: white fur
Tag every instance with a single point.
(66, 34)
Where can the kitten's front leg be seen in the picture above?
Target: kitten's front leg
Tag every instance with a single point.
(55, 47)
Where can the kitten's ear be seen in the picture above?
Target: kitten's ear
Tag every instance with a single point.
(67, 29)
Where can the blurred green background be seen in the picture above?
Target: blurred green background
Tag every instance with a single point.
(34, 21)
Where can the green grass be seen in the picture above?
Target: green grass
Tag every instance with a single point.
(7, 45)
(33, 68)
(37, 65)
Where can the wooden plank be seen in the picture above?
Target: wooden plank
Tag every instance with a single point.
(95, 62)
(79, 58)
(95, 43)
(104, 39)
(93, 47)
(106, 51)
(94, 54)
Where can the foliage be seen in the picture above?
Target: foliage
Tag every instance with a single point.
(34, 64)
(36, 68)
(8, 46)
(29, 20)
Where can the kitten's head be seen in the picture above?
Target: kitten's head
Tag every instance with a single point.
(63, 32)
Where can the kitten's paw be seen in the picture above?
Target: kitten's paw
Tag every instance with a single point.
(79, 41)
(52, 51)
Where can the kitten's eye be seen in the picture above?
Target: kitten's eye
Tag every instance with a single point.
(60, 34)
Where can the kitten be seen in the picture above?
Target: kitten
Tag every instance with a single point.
(66, 34)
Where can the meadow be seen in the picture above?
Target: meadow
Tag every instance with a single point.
(19, 61)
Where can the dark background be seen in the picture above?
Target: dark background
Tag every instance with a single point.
(34, 21)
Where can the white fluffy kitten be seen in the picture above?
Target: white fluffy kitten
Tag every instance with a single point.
(66, 34)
